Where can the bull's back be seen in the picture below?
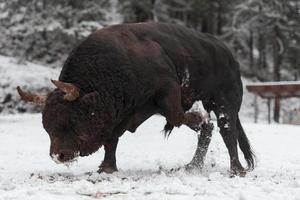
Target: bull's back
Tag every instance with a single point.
(199, 57)
(151, 52)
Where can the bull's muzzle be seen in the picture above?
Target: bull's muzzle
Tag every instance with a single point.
(64, 156)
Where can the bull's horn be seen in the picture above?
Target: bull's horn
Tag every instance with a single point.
(28, 97)
(72, 92)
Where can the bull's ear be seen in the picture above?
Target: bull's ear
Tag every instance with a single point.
(72, 92)
(90, 98)
(28, 97)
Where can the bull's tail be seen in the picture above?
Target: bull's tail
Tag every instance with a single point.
(245, 146)
(168, 129)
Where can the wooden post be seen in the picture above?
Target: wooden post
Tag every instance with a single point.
(269, 110)
(255, 108)
(277, 109)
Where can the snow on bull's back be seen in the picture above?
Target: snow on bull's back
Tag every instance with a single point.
(28, 75)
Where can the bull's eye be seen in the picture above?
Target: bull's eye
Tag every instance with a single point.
(83, 137)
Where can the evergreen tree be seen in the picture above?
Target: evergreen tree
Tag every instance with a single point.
(46, 31)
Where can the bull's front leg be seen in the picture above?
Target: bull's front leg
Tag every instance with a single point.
(130, 123)
(203, 142)
(109, 165)
(169, 101)
(171, 108)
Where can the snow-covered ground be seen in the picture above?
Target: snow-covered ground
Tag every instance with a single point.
(32, 77)
(144, 160)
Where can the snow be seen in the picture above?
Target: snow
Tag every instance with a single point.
(30, 76)
(186, 78)
(14, 73)
(113, 16)
(198, 108)
(55, 158)
(145, 160)
(274, 83)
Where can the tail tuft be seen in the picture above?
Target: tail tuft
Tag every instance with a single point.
(245, 146)
(168, 129)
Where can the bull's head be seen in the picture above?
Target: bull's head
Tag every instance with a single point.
(74, 121)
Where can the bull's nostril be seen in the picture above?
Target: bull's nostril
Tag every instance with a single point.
(61, 156)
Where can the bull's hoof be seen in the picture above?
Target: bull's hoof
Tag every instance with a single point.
(241, 172)
(107, 168)
(193, 166)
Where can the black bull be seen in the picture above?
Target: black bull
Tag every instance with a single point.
(121, 75)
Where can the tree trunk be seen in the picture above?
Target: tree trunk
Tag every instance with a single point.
(209, 21)
(219, 18)
(277, 58)
(251, 51)
(262, 51)
(154, 17)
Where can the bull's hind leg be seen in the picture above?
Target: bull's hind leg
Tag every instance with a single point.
(227, 111)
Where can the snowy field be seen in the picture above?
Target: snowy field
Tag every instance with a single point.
(144, 160)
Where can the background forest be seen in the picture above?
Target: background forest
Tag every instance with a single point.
(264, 34)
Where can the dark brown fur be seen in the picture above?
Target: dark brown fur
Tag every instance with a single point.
(126, 73)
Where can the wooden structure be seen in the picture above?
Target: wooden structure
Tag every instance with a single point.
(273, 90)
